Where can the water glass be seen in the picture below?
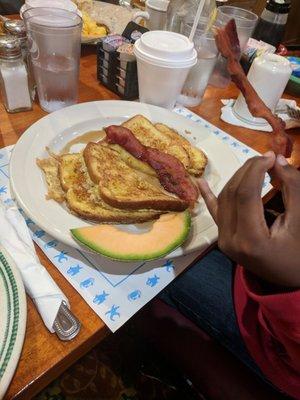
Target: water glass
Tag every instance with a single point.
(54, 37)
(245, 23)
(198, 77)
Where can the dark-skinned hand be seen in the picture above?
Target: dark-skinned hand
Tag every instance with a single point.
(271, 253)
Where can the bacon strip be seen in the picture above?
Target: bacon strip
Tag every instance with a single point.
(227, 42)
(170, 171)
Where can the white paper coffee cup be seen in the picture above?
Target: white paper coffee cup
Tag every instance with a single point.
(163, 61)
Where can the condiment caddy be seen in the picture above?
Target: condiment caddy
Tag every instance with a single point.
(116, 62)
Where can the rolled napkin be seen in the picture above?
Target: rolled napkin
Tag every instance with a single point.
(16, 239)
(229, 116)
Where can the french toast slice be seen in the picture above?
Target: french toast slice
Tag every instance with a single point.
(67, 170)
(198, 159)
(83, 197)
(132, 161)
(50, 167)
(123, 187)
(148, 135)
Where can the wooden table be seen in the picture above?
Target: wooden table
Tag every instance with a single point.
(44, 357)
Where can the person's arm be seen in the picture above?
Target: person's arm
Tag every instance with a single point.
(273, 253)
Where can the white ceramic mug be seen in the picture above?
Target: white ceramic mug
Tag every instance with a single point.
(155, 14)
(269, 75)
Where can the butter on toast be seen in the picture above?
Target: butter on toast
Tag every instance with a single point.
(83, 198)
(50, 168)
(198, 159)
(148, 135)
(124, 187)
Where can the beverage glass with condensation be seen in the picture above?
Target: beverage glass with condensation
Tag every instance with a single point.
(197, 79)
(245, 23)
(54, 38)
(163, 61)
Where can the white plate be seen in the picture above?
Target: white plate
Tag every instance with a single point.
(58, 128)
(13, 319)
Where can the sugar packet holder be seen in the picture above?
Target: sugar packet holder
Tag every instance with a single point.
(116, 63)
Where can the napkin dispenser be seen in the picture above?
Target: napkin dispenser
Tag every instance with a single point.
(116, 63)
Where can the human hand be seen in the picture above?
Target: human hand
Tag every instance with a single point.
(271, 253)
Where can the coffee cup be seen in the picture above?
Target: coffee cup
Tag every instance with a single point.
(163, 61)
(155, 14)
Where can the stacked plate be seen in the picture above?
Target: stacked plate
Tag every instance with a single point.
(13, 319)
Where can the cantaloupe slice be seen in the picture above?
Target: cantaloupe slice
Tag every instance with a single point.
(167, 233)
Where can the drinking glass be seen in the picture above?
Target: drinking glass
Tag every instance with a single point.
(245, 23)
(198, 77)
(54, 38)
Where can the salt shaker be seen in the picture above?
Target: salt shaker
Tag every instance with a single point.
(16, 27)
(13, 76)
(269, 75)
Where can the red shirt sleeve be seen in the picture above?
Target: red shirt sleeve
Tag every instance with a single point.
(270, 326)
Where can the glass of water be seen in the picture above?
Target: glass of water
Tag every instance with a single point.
(245, 23)
(54, 38)
(198, 77)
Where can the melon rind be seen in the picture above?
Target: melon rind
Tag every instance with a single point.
(176, 241)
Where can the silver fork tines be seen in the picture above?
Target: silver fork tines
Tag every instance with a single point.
(66, 325)
(293, 112)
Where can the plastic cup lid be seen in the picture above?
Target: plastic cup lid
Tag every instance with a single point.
(165, 48)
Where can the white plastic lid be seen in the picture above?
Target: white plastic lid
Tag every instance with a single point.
(168, 49)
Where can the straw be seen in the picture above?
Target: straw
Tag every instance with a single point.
(196, 20)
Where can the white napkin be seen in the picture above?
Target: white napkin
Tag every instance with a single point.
(227, 115)
(16, 239)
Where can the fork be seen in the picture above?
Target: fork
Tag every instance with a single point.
(293, 113)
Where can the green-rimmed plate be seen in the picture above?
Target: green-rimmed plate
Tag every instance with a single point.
(12, 319)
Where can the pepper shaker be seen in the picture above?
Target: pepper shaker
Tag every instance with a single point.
(13, 76)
